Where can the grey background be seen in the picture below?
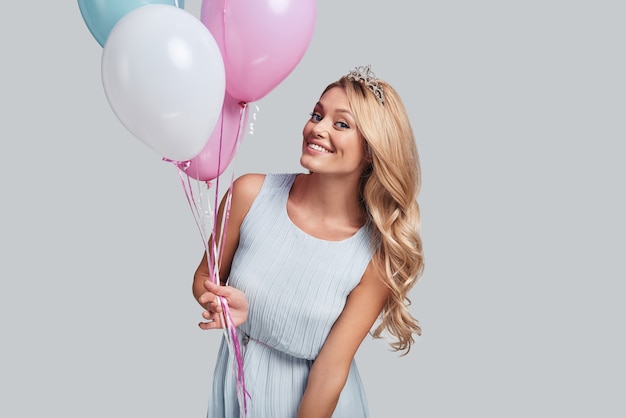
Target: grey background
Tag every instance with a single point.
(518, 108)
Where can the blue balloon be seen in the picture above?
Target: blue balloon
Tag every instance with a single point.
(101, 15)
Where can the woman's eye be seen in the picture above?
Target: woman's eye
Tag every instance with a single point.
(316, 117)
(343, 125)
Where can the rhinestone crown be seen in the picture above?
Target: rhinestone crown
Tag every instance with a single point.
(365, 75)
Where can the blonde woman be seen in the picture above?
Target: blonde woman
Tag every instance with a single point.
(315, 261)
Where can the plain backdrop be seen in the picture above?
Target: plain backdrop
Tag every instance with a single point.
(519, 113)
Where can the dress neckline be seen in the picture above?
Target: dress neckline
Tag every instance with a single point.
(359, 232)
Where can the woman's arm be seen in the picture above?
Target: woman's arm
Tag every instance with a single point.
(244, 191)
(330, 369)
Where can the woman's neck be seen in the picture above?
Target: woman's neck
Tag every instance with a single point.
(328, 198)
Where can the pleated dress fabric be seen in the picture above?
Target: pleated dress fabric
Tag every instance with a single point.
(296, 286)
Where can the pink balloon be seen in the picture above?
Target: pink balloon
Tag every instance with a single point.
(261, 41)
(222, 145)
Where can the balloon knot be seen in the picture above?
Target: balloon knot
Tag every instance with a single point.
(182, 165)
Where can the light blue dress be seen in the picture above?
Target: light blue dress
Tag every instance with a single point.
(296, 286)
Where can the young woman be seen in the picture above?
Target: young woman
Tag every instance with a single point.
(313, 260)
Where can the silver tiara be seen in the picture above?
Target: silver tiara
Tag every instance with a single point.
(365, 75)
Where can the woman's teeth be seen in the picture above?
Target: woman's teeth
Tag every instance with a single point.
(318, 148)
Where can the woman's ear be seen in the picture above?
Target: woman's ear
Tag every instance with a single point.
(368, 152)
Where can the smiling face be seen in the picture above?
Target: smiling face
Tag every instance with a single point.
(332, 143)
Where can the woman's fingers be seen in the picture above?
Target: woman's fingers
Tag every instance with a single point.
(217, 289)
(211, 301)
(210, 325)
(213, 320)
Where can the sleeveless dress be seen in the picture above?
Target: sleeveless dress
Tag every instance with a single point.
(296, 286)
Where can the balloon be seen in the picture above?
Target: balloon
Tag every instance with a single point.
(101, 15)
(164, 78)
(221, 147)
(261, 41)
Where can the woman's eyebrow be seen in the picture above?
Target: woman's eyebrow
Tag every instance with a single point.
(346, 111)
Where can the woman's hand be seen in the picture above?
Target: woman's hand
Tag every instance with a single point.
(237, 304)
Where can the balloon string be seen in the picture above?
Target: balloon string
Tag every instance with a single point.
(217, 183)
(242, 392)
(196, 208)
(214, 251)
(224, 52)
(226, 217)
(230, 330)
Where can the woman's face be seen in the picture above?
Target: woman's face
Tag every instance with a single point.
(331, 142)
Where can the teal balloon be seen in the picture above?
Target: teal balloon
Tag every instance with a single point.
(101, 15)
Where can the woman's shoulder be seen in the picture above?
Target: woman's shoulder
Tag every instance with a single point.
(247, 186)
(249, 181)
(251, 184)
(243, 192)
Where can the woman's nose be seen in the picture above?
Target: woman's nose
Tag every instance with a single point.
(321, 128)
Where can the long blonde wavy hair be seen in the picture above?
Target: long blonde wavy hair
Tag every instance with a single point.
(389, 190)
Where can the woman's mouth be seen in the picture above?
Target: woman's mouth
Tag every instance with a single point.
(318, 148)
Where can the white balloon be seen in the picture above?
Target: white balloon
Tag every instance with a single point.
(164, 77)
